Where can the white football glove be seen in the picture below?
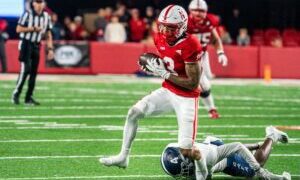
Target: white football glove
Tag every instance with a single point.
(222, 58)
(156, 65)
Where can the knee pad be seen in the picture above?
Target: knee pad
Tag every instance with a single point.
(205, 94)
(134, 114)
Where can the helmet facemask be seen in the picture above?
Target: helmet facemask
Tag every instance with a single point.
(170, 32)
(198, 14)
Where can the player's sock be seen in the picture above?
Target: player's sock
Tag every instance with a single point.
(209, 102)
(130, 128)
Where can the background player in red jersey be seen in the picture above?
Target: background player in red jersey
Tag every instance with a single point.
(203, 25)
(179, 66)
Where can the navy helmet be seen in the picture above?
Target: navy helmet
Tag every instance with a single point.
(175, 164)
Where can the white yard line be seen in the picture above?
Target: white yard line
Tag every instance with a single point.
(267, 108)
(109, 116)
(120, 128)
(229, 98)
(95, 177)
(291, 141)
(113, 177)
(98, 156)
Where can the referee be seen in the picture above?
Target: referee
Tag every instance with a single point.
(32, 27)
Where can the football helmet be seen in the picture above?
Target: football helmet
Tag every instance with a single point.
(175, 164)
(172, 23)
(198, 5)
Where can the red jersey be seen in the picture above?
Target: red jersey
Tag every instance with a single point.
(187, 50)
(203, 29)
(137, 29)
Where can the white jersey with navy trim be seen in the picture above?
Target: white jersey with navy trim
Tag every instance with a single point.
(32, 19)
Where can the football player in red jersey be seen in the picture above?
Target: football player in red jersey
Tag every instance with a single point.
(179, 66)
(203, 25)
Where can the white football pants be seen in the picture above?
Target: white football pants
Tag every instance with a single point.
(162, 100)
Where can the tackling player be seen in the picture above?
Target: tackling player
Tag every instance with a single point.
(234, 160)
(179, 67)
(235, 165)
(203, 25)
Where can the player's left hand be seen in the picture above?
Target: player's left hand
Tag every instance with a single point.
(50, 55)
(222, 58)
(156, 65)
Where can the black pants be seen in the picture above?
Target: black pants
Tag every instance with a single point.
(2, 55)
(29, 59)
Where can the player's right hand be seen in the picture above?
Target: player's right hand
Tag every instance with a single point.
(157, 66)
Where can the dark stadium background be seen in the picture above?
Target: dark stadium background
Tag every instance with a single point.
(256, 13)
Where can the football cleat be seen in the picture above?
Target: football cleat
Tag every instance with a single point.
(15, 99)
(213, 140)
(276, 135)
(286, 176)
(213, 114)
(118, 161)
(32, 102)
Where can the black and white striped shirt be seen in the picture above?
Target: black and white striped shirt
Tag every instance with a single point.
(32, 19)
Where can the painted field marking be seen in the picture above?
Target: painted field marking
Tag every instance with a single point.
(120, 128)
(99, 156)
(291, 141)
(124, 116)
(116, 177)
(127, 107)
(100, 99)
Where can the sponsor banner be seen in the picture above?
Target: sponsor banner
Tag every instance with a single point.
(70, 54)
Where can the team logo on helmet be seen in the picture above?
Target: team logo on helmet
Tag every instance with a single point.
(175, 164)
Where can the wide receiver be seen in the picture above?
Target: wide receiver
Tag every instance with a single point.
(203, 25)
(233, 159)
(179, 66)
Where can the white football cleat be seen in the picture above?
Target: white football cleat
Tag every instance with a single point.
(210, 139)
(276, 135)
(286, 176)
(119, 161)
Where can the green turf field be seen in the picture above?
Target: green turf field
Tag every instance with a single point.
(78, 123)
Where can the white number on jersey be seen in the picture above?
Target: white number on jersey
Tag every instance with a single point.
(170, 64)
(204, 38)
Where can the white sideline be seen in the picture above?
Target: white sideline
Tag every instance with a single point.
(99, 156)
(164, 116)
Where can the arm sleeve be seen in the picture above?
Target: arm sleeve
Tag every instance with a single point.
(201, 169)
(50, 25)
(23, 21)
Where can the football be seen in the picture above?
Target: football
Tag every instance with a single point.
(143, 60)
